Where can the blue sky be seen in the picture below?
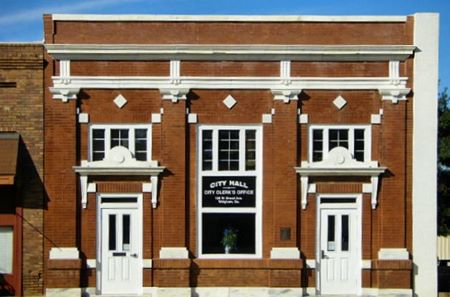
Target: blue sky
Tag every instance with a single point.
(21, 20)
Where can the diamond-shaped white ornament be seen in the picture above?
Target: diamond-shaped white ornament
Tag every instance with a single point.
(339, 102)
(229, 101)
(120, 101)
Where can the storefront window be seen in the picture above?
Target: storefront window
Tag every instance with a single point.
(229, 191)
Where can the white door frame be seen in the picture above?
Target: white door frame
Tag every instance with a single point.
(100, 206)
(358, 207)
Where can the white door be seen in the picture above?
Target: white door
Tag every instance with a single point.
(121, 260)
(339, 251)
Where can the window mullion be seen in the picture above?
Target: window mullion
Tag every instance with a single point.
(131, 141)
(107, 140)
(325, 143)
(215, 150)
(242, 150)
(351, 141)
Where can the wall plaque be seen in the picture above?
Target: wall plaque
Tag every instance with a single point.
(229, 191)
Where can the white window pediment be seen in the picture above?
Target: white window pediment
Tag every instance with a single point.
(340, 162)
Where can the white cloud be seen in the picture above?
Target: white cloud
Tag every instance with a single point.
(36, 13)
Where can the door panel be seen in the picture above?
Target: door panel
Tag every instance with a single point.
(339, 250)
(121, 251)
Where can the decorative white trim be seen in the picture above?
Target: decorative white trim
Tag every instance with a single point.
(285, 72)
(224, 18)
(156, 118)
(120, 101)
(375, 119)
(83, 118)
(424, 158)
(92, 188)
(173, 253)
(229, 102)
(394, 71)
(146, 187)
(64, 253)
(394, 95)
(285, 94)
(192, 118)
(285, 253)
(383, 84)
(235, 52)
(64, 93)
(83, 190)
(267, 118)
(367, 188)
(339, 162)
(303, 118)
(339, 102)
(154, 181)
(174, 94)
(312, 189)
(393, 254)
(175, 72)
(366, 264)
(64, 70)
(91, 263)
(311, 263)
(147, 263)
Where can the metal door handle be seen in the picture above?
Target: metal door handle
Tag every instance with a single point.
(322, 254)
(134, 255)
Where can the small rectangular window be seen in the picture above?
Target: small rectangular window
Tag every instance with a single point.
(331, 234)
(359, 145)
(98, 144)
(126, 231)
(317, 145)
(344, 239)
(338, 137)
(207, 150)
(6, 249)
(140, 144)
(229, 150)
(250, 149)
(119, 137)
(112, 233)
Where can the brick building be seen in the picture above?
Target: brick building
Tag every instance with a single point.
(230, 155)
(21, 169)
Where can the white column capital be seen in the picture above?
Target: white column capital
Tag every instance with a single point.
(174, 94)
(64, 93)
(286, 95)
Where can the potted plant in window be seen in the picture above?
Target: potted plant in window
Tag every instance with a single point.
(229, 239)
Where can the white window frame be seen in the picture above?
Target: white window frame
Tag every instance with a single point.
(7, 250)
(131, 137)
(257, 210)
(351, 138)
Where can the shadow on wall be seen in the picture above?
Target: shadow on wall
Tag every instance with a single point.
(5, 288)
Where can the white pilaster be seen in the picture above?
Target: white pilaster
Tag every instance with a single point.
(426, 38)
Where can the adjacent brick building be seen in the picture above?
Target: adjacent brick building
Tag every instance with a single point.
(240, 155)
(21, 169)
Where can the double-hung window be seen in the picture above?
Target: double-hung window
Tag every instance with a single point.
(136, 138)
(230, 176)
(356, 139)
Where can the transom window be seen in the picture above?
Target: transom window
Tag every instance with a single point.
(136, 138)
(323, 139)
(230, 170)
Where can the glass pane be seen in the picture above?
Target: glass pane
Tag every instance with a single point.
(344, 240)
(317, 145)
(140, 133)
(250, 149)
(140, 145)
(98, 133)
(6, 250)
(228, 149)
(141, 156)
(98, 145)
(337, 137)
(237, 231)
(98, 156)
(112, 232)
(359, 145)
(330, 234)
(126, 229)
(207, 149)
(119, 137)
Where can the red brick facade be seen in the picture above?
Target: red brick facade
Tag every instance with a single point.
(22, 205)
(285, 125)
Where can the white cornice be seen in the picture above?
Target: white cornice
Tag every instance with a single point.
(224, 18)
(254, 83)
(252, 52)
